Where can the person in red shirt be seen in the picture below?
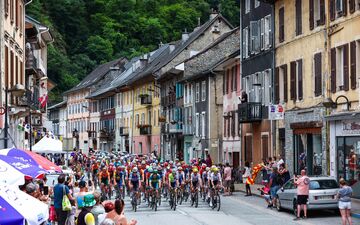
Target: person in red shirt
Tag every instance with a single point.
(302, 183)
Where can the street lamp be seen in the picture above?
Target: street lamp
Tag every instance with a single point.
(329, 103)
(17, 90)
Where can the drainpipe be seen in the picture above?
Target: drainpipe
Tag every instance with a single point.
(28, 2)
(273, 123)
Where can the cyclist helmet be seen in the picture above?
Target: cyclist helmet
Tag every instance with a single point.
(135, 170)
(216, 170)
(150, 169)
(195, 170)
(155, 171)
(180, 168)
(207, 168)
(173, 171)
(203, 166)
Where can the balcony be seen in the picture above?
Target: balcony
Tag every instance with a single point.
(250, 112)
(145, 129)
(165, 128)
(31, 65)
(106, 135)
(124, 131)
(145, 99)
(176, 128)
(31, 98)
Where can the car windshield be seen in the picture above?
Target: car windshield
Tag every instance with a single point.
(323, 184)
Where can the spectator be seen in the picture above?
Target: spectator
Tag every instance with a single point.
(85, 216)
(275, 184)
(108, 222)
(247, 174)
(59, 190)
(344, 196)
(98, 209)
(302, 184)
(227, 179)
(284, 173)
(265, 191)
(208, 160)
(117, 215)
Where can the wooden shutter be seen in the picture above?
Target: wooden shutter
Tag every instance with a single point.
(333, 70)
(233, 124)
(318, 71)
(311, 14)
(353, 65)
(332, 9)
(300, 79)
(281, 25)
(346, 67)
(227, 81)
(236, 76)
(344, 13)
(276, 82)
(6, 66)
(248, 148)
(293, 80)
(284, 67)
(6, 5)
(298, 17)
(351, 6)
(322, 12)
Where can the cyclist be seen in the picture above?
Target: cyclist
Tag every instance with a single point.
(215, 181)
(195, 182)
(134, 180)
(155, 181)
(104, 177)
(119, 180)
(95, 170)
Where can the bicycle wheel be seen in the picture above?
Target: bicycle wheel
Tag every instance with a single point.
(218, 203)
(175, 200)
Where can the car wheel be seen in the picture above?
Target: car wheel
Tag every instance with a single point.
(278, 204)
(295, 207)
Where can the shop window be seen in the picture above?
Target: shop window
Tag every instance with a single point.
(308, 153)
(348, 156)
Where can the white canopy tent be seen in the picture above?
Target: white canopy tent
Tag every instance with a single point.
(48, 145)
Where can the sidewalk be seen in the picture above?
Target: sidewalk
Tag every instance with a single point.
(355, 203)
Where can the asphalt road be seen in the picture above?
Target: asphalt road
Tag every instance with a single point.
(235, 210)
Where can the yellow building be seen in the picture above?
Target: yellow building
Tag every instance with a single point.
(299, 83)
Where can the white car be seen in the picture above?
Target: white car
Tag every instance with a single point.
(322, 194)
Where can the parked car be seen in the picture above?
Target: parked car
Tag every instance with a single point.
(322, 194)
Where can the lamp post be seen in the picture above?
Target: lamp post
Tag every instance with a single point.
(329, 103)
(17, 90)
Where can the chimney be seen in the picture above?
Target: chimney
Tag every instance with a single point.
(161, 44)
(213, 14)
(199, 25)
(172, 47)
(185, 35)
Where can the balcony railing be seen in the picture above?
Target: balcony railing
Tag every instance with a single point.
(124, 131)
(107, 135)
(145, 130)
(145, 99)
(250, 112)
(176, 128)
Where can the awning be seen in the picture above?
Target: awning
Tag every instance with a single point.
(48, 145)
(343, 116)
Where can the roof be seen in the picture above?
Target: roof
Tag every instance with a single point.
(192, 37)
(216, 57)
(133, 74)
(44, 30)
(97, 74)
(58, 105)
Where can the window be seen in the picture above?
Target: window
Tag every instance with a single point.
(12, 11)
(257, 3)
(296, 80)
(316, 13)
(298, 17)
(245, 42)
(6, 3)
(197, 124)
(197, 94)
(281, 25)
(317, 74)
(262, 34)
(354, 63)
(233, 132)
(186, 93)
(203, 91)
(234, 78)
(142, 122)
(281, 84)
(268, 33)
(255, 36)
(267, 87)
(137, 120)
(257, 86)
(247, 6)
(203, 124)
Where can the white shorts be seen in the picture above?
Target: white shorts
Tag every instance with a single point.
(344, 205)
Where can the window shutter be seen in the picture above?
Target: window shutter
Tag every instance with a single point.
(298, 17)
(322, 12)
(281, 25)
(353, 64)
(284, 67)
(262, 34)
(236, 76)
(346, 67)
(227, 81)
(332, 9)
(344, 2)
(333, 70)
(317, 62)
(300, 79)
(293, 80)
(351, 6)
(277, 89)
(233, 123)
(311, 14)
(224, 81)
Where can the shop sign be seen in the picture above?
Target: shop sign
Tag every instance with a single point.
(276, 112)
(351, 127)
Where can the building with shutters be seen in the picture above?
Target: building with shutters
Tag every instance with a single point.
(300, 84)
(344, 69)
(257, 68)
